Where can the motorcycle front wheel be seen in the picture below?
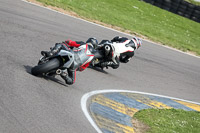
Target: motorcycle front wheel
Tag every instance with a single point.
(52, 64)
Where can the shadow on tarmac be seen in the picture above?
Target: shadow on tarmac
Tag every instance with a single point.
(51, 78)
(98, 69)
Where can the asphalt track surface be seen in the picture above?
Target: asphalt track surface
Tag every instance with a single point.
(42, 105)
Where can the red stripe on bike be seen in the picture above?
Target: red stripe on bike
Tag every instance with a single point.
(86, 48)
(128, 51)
(74, 76)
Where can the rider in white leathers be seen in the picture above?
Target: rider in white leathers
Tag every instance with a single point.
(124, 46)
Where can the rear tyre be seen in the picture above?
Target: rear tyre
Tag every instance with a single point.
(46, 67)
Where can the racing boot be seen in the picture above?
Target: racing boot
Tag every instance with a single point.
(46, 53)
(52, 51)
(67, 78)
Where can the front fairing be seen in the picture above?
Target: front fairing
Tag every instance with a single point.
(67, 57)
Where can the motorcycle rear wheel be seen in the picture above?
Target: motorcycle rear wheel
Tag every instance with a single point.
(46, 67)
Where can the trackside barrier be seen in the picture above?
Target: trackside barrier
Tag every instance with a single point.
(179, 7)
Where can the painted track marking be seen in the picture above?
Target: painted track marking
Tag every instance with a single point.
(189, 105)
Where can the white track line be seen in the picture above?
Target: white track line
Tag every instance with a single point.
(86, 96)
(110, 29)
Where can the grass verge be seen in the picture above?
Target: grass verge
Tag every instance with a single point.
(138, 17)
(194, 2)
(169, 120)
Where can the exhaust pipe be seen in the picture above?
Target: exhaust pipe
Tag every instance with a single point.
(58, 71)
(107, 49)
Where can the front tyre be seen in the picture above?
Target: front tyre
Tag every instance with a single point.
(46, 67)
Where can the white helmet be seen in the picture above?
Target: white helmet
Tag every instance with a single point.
(136, 42)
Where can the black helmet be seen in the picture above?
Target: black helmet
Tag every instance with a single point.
(93, 41)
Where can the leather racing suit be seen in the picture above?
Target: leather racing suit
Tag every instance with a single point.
(126, 52)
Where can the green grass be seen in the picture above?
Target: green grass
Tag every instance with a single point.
(170, 120)
(140, 17)
(193, 2)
